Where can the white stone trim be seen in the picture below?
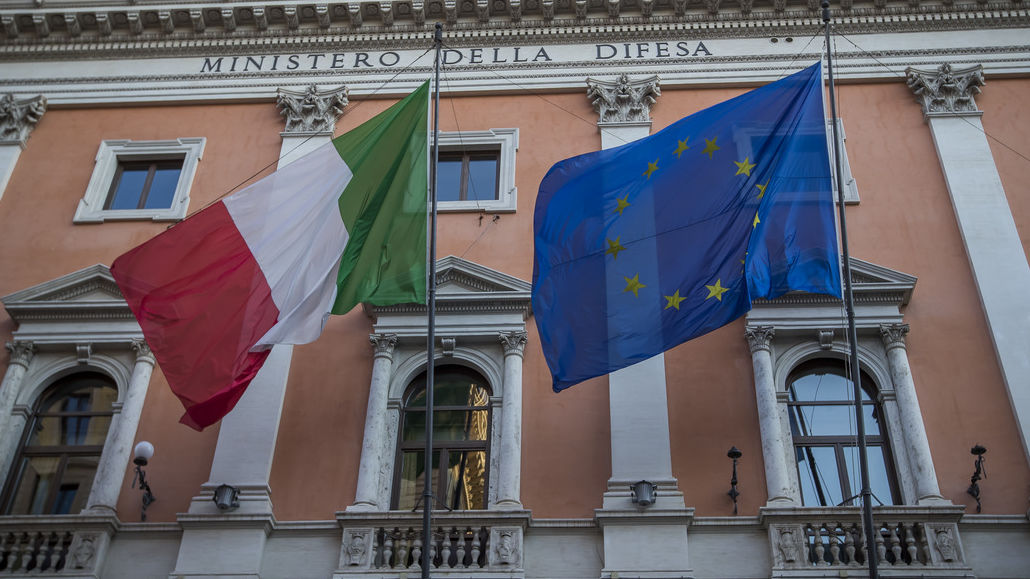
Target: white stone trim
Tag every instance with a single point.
(850, 186)
(506, 141)
(91, 206)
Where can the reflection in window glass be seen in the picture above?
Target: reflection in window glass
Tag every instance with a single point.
(144, 184)
(823, 426)
(468, 176)
(461, 426)
(62, 445)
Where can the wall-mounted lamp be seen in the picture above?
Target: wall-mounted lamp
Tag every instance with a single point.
(227, 497)
(142, 454)
(734, 453)
(644, 493)
(979, 472)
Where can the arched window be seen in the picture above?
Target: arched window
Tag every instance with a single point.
(461, 435)
(823, 426)
(61, 447)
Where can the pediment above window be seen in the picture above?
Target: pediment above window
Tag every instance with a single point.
(85, 305)
(880, 295)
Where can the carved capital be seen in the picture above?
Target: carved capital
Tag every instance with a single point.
(946, 90)
(143, 353)
(21, 352)
(19, 117)
(623, 100)
(893, 335)
(759, 337)
(312, 111)
(384, 344)
(513, 342)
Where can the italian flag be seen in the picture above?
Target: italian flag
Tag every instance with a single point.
(342, 225)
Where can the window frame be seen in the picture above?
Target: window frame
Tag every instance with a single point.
(418, 384)
(840, 442)
(94, 205)
(61, 388)
(505, 142)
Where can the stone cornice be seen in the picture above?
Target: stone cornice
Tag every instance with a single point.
(86, 26)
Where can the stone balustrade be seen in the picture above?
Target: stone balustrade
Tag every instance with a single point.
(386, 544)
(908, 539)
(69, 545)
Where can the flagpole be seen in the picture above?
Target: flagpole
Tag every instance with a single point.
(427, 493)
(849, 303)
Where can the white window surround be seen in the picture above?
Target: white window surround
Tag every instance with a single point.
(111, 152)
(76, 323)
(480, 324)
(504, 140)
(798, 327)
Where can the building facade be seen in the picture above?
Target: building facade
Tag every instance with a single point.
(117, 119)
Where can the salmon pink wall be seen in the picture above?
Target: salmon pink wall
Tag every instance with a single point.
(37, 210)
(1004, 105)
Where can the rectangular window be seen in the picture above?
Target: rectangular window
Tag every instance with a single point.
(476, 171)
(141, 180)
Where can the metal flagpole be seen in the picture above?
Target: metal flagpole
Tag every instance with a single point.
(849, 304)
(427, 493)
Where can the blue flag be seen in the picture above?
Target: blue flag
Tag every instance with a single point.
(645, 246)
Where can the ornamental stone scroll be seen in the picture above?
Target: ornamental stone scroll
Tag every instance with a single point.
(623, 101)
(311, 112)
(946, 90)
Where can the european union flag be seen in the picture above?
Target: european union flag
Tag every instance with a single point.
(648, 245)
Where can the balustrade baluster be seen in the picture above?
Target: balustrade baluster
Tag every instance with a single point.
(388, 549)
(849, 545)
(44, 551)
(459, 562)
(6, 542)
(416, 553)
(806, 543)
(820, 548)
(432, 547)
(896, 545)
(403, 542)
(377, 548)
(27, 547)
(474, 563)
(924, 544)
(445, 553)
(834, 537)
(864, 545)
(881, 548)
(910, 546)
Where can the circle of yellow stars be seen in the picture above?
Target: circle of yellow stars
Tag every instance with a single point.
(716, 290)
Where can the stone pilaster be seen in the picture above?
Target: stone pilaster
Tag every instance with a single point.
(777, 477)
(12, 424)
(920, 462)
(985, 220)
(17, 119)
(510, 476)
(310, 118)
(366, 497)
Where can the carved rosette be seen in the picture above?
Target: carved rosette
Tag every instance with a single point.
(623, 101)
(312, 112)
(759, 337)
(356, 550)
(143, 353)
(21, 352)
(19, 117)
(946, 90)
(384, 344)
(513, 342)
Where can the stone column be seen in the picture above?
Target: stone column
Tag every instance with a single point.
(11, 425)
(17, 119)
(103, 497)
(510, 476)
(920, 462)
(777, 477)
(651, 541)
(366, 498)
(247, 437)
(985, 220)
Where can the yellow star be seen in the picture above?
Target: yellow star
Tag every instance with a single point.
(614, 247)
(674, 300)
(716, 291)
(633, 284)
(761, 188)
(757, 221)
(682, 147)
(651, 168)
(744, 167)
(623, 203)
(711, 147)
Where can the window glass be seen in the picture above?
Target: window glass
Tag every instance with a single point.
(162, 188)
(461, 429)
(482, 182)
(144, 185)
(467, 176)
(820, 480)
(128, 187)
(448, 178)
(62, 446)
